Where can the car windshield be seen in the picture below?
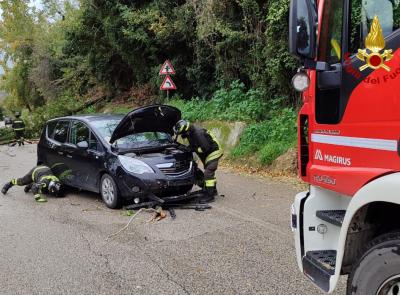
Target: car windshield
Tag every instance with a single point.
(105, 129)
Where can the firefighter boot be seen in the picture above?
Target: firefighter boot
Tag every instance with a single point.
(209, 192)
(6, 187)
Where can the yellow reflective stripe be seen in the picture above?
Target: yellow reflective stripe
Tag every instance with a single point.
(36, 170)
(18, 129)
(199, 150)
(211, 182)
(215, 139)
(14, 181)
(336, 47)
(214, 155)
(49, 177)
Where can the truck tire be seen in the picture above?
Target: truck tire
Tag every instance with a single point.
(378, 271)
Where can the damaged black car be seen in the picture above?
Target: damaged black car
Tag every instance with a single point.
(130, 158)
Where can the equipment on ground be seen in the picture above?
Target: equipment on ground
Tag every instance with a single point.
(189, 201)
(348, 143)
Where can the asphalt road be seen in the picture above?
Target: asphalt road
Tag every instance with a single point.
(242, 246)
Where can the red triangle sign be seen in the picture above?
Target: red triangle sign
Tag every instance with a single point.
(167, 68)
(168, 84)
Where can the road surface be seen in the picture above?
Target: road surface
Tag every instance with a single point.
(242, 246)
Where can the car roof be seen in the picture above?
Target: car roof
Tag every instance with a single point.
(91, 117)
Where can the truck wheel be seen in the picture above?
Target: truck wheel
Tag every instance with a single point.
(378, 270)
(109, 192)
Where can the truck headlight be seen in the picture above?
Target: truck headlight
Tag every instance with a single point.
(134, 165)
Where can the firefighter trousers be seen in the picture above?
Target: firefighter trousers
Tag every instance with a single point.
(209, 173)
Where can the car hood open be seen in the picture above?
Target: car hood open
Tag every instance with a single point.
(156, 118)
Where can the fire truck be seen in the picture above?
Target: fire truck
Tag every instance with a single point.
(348, 222)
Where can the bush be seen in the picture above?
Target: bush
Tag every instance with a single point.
(35, 120)
(232, 104)
(6, 134)
(268, 139)
(271, 151)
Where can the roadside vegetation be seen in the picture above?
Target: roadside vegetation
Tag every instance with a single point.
(87, 56)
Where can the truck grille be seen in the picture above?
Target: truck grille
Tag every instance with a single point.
(175, 169)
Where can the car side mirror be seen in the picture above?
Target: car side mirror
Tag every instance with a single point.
(83, 145)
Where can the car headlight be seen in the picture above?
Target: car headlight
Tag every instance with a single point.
(134, 165)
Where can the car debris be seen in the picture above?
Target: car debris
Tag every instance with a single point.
(189, 201)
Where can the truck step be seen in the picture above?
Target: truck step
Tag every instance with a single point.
(334, 217)
(326, 259)
(319, 266)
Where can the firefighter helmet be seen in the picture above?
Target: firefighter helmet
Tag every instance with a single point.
(54, 188)
(181, 127)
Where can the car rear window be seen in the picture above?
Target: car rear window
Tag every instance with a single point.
(60, 133)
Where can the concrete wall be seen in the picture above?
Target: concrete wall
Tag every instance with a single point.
(228, 134)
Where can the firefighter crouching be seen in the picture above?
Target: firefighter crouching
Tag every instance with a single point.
(207, 147)
(40, 180)
(19, 128)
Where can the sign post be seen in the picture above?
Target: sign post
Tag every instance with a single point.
(166, 70)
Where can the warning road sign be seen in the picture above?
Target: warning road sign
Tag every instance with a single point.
(167, 68)
(168, 84)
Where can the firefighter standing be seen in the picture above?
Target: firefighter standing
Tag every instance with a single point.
(40, 180)
(19, 128)
(207, 147)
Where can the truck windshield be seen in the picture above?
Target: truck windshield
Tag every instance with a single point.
(362, 14)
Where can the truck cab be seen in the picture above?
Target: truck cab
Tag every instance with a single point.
(348, 222)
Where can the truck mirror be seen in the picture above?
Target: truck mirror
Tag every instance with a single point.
(303, 22)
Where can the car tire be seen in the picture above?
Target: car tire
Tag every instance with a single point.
(109, 192)
(378, 270)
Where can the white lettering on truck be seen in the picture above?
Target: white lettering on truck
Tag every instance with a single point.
(332, 158)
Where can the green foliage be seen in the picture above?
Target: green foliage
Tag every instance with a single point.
(6, 134)
(231, 55)
(35, 120)
(269, 138)
(232, 104)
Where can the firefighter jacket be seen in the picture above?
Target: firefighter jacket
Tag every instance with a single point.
(18, 125)
(41, 178)
(204, 144)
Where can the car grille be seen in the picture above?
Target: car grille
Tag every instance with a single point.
(178, 168)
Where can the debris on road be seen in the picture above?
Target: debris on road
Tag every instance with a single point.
(159, 214)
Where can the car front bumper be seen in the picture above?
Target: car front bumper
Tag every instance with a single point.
(131, 186)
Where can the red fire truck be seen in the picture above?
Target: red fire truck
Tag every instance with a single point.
(348, 222)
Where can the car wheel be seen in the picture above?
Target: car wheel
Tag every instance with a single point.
(109, 192)
(378, 270)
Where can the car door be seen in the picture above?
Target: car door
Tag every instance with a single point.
(57, 136)
(84, 162)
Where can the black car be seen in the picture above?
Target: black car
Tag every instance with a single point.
(130, 157)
